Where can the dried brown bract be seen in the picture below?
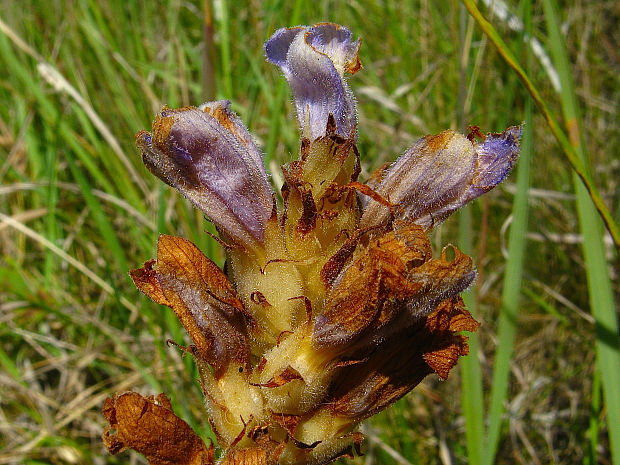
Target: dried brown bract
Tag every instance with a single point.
(149, 426)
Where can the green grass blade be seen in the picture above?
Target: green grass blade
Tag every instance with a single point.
(52, 201)
(513, 276)
(511, 290)
(599, 284)
(571, 155)
(225, 55)
(472, 400)
(471, 371)
(106, 229)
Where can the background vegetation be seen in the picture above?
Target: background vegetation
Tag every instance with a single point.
(78, 209)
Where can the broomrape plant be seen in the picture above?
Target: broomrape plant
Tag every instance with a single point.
(331, 308)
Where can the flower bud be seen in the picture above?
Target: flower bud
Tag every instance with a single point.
(209, 156)
(442, 173)
(314, 60)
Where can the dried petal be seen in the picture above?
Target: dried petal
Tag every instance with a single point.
(314, 60)
(440, 279)
(440, 174)
(146, 280)
(209, 156)
(363, 390)
(395, 272)
(203, 299)
(149, 426)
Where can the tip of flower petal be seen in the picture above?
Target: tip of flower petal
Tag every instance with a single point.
(496, 157)
(276, 48)
(334, 41)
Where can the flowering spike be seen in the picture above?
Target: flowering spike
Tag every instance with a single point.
(330, 309)
(314, 60)
(209, 156)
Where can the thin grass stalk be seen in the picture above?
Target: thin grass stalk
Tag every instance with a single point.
(104, 285)
(225, 54)
(52, 201)
(209, 87)
(100, 217)
(570, 153)
(471, 371)
(509, 312)
(599, 283)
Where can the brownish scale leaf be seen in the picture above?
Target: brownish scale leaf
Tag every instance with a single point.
(288, 375)
(205, 302)
(202, 297)
(181, 257)
(449, 318)
(145, 279)
(333, 267)
(149, 426)
(293, 175)
(287, 421)
(367, 292)
(360, 391)
(443, 278)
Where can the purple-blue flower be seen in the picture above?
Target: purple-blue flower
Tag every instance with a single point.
(440, 174)
(209, 156)
(314, 60)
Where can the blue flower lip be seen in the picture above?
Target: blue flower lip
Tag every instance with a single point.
(314, 60)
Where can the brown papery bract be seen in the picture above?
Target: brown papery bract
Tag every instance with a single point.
(202, 297)
(149, 426)
(432, 345)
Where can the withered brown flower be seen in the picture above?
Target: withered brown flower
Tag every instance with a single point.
(331, 308)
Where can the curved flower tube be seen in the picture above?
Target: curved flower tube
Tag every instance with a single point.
(440, 174)
(314, 60)
(209, 156)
